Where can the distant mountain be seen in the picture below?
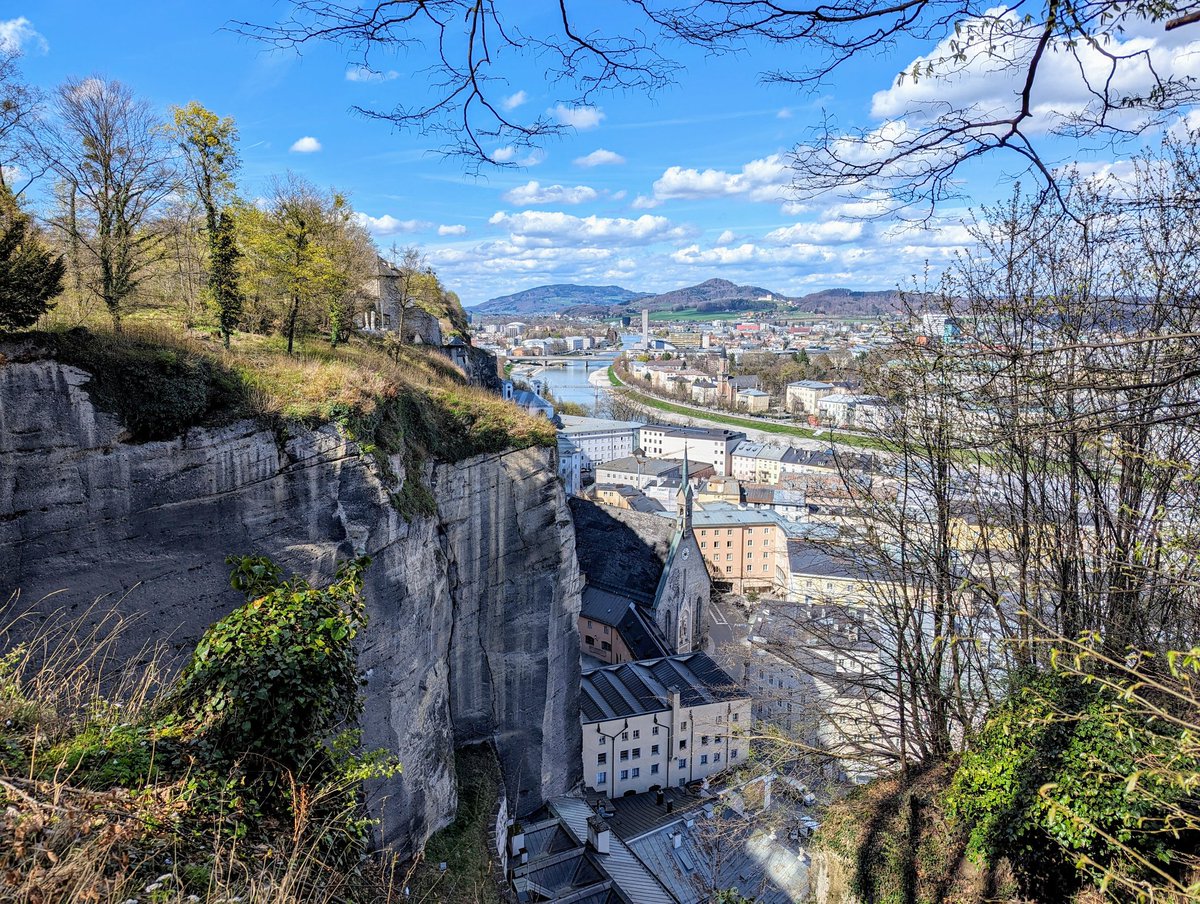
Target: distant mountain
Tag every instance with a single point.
(714, 296)
(552, 299)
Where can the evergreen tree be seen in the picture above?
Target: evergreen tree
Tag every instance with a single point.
(224, 293)
(30, 274)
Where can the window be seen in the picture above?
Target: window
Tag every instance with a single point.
(704, 533)
(589, 640)
(654, 730)
(749, 530)
(601, 759)
(749, 542)
(716, 757)
(682, 762)
(637, 733)
(703, 740)
(704, 544)
(728, 557)
(704, 759)
(654, 769)
(601, 778)
(654, 750)
(682, 782)
(637, 772)
(624, 756)
(728, 543)
(606, 629)
(624, 736)
(729, 533)
(733, 754)
(590, 623)
(624, 775)
(683, 745)
(637, 753)
(735, 717)
(683, 726)
(605, 645)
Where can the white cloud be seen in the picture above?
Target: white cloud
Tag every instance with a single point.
(514, 100)
(833, 232)
(541, 228)
(599, 157)
(367, 74)
(581, 118)
(785, 113)
(725, 237)
(456, 229)
(533, 192)
(504, 154)
(305, 145)
(19, 34)
(767, 179)
(389, 225)
(645, 202)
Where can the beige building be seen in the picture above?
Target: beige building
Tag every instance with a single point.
(753, 400)
(802, 397)
(745, 549)
(661, 723)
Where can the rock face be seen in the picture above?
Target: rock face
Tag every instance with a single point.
(472, 612)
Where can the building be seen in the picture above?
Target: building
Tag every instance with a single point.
(533, 403)
(641, 472)
(759, 462)
(661, 723)
(622, 496)
(570, 465)
(842, 409)
(743, 548)
(753, 400)
(601, 440)
(704, 392)
(702, 444)
(802, 396)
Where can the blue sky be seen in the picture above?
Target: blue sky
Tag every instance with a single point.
(649, 193)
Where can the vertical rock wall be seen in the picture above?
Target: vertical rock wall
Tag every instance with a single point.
(471, 611)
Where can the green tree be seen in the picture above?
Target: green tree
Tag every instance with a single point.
(30, 274)
(224, 291)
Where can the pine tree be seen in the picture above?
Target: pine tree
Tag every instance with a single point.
(30, 274)
(224, 294)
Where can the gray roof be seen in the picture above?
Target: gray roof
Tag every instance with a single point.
(636, 688)
(714, 434)
(649, 467)
(581, 425)
(805, 558)
(626, 871)
(811, 384)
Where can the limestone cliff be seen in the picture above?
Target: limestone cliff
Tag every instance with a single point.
(472, 611)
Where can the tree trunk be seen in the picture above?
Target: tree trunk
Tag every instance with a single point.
(291, 327)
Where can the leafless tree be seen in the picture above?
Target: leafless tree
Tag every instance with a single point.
(107, 146)
(1127, 87)
(19, 119)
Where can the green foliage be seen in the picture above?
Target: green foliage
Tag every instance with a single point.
(158, 391)
(279, 675)
(30, 274)
(1060, 780)
(105, 756)
(224, 293)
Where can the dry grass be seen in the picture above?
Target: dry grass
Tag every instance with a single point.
(170, 839)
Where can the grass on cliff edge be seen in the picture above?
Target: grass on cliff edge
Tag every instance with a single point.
(161, 381)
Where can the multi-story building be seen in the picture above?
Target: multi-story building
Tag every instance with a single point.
(661, 723)
(642, 472)
(753, 400)
(600, 440)
(759, 462)
(702, 444)
(802, 396)
(742, 548)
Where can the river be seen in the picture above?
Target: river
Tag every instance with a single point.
(570, 383)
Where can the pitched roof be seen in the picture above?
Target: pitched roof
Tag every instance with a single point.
(636, 688)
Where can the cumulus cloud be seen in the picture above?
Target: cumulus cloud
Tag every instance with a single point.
(504, 154)
(599, 157)
(767, 179)
(367, 74)
(305, 145)
(544, 228)
(581, 118)
(19, 34)
(725, 237)
(645, 202)
(533, 192)
(514, 100)
(455, 229)
(833, 232)
(389, 225)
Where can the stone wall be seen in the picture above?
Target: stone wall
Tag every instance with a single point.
(472, 612)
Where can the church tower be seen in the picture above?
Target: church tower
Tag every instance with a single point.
(684, 498)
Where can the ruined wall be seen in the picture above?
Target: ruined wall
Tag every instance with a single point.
(472, 611)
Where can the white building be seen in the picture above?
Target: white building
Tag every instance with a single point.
(570, 465)
(661, 723)
(705, 444)
(601, 440)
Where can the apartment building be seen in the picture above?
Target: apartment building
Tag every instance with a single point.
(600, 440)
(640, 473)
(802, 396)
(711, 445)
(742, 548)
(661, 723)
(759, 462)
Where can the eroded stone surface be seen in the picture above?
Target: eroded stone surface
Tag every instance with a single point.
(472, 611)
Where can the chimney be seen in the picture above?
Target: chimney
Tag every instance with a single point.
(670, 806)
(658, 797)
(599, 835)
(677, 840)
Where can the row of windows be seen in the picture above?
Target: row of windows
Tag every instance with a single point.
(626, 774)
(591, 642)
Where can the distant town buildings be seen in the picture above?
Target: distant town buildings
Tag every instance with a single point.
(711, 445)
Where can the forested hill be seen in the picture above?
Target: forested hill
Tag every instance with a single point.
(713, 295)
